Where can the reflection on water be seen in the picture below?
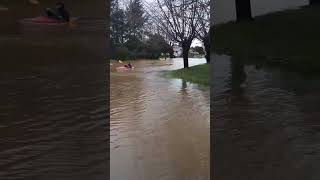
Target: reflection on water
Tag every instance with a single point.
(159, 126)
(265, 123)
(53, 101)
(238, 75)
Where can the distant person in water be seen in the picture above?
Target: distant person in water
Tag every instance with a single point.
(59, 12)
(128, 65)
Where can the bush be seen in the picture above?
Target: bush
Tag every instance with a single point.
(121, 53)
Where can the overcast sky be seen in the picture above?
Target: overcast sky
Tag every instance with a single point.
(196, 42)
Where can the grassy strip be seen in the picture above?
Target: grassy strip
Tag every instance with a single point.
(196, 74)
(290, 39)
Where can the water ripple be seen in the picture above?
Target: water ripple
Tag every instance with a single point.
(264, 122)
(158, 125)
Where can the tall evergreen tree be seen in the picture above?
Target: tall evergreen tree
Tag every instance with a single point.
(131, 34)
(136, 19)
(118, 24)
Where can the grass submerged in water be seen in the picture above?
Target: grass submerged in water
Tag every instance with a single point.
(288, 39)
(198, 74)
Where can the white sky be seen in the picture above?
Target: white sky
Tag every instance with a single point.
(196, 42)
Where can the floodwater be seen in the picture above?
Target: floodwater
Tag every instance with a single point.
(53, 108)
(159, 126)
(265, 122)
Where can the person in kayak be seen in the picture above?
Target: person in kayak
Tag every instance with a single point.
(128, 65)
(59, 12)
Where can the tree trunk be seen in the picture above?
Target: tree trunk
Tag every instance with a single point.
(314, 2)
(206, 43)
(243, 8)
(185, 53)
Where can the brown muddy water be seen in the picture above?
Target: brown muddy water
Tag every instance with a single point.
(265, 123)
(54, 96)
(159, 126)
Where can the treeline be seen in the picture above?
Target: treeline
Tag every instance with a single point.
(132, 35)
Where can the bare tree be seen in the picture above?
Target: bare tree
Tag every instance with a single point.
(178, 21)
(203, 30)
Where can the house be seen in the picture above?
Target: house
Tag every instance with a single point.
(235, 10)
(177, 51)
(193, 53)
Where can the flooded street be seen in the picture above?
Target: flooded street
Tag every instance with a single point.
(53, 113)
(159, 126)
(265, 122)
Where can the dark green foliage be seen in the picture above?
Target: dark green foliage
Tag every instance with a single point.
(129, 39)
(136, 19)
(121, 53)
(199, 50)
(157, 45)
(118, 24)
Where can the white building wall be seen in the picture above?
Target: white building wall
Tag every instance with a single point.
(223, 11)
(177, 51)
(261, 7)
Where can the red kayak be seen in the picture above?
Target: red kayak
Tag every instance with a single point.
(45, 21)
(122, 68)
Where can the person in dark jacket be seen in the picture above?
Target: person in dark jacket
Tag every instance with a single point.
(128, 65)
(59, 12)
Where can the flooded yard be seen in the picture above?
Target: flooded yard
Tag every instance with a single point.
(265, 122)
(159, 126)
(53, 108)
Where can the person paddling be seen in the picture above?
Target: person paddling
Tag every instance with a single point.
(59, 13)
(128, 65)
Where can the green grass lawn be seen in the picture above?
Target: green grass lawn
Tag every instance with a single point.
(289, 39)
(196, 74)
